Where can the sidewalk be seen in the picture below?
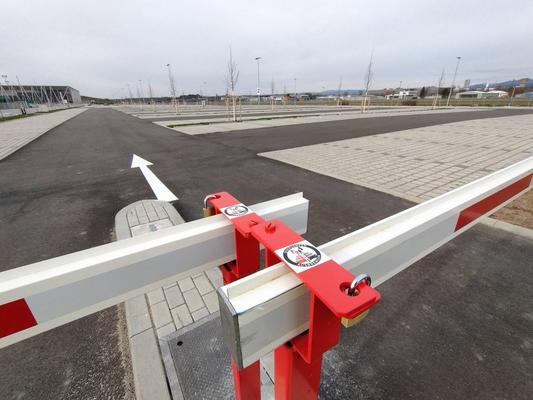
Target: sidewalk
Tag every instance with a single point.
(17, 133)
(205, 126)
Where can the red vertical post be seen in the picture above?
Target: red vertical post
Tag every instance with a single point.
(294, 378)
(247, 381)
(297, 364)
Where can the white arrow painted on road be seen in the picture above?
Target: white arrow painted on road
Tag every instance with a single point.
(159, 189)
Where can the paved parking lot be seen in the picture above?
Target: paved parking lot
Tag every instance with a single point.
(422, 163)
(82, 169)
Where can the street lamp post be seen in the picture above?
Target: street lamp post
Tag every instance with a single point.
(258, 81)
(295, 93)
(453, 81)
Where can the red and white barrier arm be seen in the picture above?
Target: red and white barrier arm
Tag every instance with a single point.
(41, 296)
(271, 306)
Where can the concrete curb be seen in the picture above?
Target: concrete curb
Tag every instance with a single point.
(505, 226)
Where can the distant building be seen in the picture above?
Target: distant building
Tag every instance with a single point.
(404, 94)
(39, 94)
(467, 84)
(478, 94)
(496, 94)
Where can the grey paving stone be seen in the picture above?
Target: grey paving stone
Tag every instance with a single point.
(215, 276)
(166, 330)
(173, 296)
(161, 213)
(141, 213)
(181, 315)
(150, 211)
(193, 300)
(132, 218)
(139, 323)
(199, 314)
(422, 162)
(161, 314)
(211, 301)
(136, 306)
(186, 284)
(155, 296)
(202, 284)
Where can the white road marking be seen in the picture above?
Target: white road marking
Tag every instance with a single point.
(160, 190)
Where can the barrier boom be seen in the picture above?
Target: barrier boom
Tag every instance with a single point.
(44, 295)
(268, 308)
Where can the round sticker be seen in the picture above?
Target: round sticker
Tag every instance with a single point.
(235, 211)
(302, 255)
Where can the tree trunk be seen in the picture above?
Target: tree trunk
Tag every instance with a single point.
(234, 107)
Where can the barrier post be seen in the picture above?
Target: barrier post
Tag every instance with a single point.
(247, 381)
(335, 294)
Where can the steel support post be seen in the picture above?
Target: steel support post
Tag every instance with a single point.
(247, 381)
(297, 364)
(295, 379)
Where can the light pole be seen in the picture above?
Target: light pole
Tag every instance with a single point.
(295, 93)
(258, 81)
(453, 81)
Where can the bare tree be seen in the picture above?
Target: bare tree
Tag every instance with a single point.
(150, 91)
(368, 82)
(232, 77)
(339, 92)
(172, 87)
(272, 89)
(436, 98)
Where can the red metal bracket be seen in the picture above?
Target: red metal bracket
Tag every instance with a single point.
(247, 255)
(247, 381)
(298, 363)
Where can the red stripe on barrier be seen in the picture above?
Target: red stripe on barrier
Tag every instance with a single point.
(482, 207)
(15, 317)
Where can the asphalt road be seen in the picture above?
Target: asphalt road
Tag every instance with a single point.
(60, 194)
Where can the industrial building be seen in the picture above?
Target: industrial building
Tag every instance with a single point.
(477, 94)
(15, 96)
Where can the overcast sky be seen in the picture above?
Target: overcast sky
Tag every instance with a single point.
(99, 46)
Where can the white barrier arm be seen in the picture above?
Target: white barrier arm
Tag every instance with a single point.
(44, 295)
(264, 310)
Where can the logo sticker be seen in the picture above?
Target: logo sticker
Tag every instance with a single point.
(301, 256)
(237, 210)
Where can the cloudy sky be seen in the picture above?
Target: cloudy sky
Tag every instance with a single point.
(99, 47)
